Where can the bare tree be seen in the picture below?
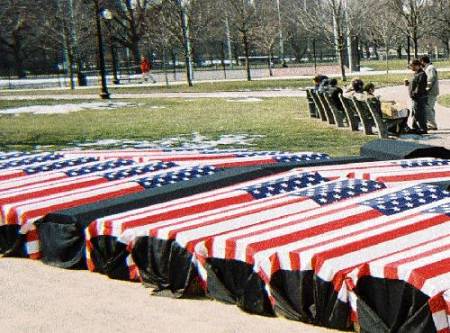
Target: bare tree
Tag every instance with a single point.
(266, 29)
(380, 28)
(327, 17)
(413, 17)
(440, 20)
(242, 16)
(16, 31)
(131, 18)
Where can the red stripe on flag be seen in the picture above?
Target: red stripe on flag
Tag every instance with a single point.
(310, 232)
(391, 269)
(416, 176)
(19, 173)
(319, 259)
(49, 191)
(244, 163)
(199, 208)
(45, 210)
(173, 233)
(420, 275)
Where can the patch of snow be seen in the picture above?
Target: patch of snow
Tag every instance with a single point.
(365, 69)
(245, 100)
(184, 141)
(66, 108)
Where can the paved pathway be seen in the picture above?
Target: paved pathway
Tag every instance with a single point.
(292, 72)
(231, 94)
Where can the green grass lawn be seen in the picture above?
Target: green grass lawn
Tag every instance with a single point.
(395, 64)
(445, 100)
(379, 80)
(283, 121)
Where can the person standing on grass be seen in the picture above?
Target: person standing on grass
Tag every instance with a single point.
(432, 89)
(146, 67)
(418, 94)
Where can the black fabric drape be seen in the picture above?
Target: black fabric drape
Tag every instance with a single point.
(389, 306)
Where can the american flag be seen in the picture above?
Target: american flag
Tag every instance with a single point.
(86, 190)
(13, 155)
(43, 174)
(272, 211)
(436, 169)
(83, 185)
(389, 172)
(333, 239)
(420, 259)
(11, 173)
(28, 160)
(337, 223)
(206, 156)
(130, 224)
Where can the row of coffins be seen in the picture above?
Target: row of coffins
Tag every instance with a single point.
(325, 241)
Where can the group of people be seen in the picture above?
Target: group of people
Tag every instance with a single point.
(423, 91)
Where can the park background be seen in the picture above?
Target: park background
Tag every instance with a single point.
(229, 74)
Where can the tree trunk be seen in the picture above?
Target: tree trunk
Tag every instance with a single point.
(269, 63)
(416, 48)
(174, 61)
(342, 64)
(447, 47)
(408, 49)
(416, 43)
(68, 52)
(18, 59)
(223, 61)
(375, 51)
(399, 52)
(366, 46)
(136, 55)
(164, 68)
(342, 57)
(247, 55)
(386, 43)
(71, 71)
(114, 63)
(187, 45)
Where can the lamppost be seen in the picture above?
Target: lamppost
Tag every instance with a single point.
(108, 16)
(280, 32)
(104, 94)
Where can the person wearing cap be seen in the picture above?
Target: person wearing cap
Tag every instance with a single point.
(418, 94)
(432, 89)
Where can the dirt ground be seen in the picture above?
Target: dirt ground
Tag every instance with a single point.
(39, 298)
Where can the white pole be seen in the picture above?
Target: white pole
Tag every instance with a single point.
(349, 38)
(336, 37)
(187, 40)
(228, 36)
(280, 31)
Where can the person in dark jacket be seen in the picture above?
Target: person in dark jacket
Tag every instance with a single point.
(319, 82)
(418, 94)
(334, 92)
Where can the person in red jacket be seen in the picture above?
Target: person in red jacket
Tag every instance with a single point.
(146, 67)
